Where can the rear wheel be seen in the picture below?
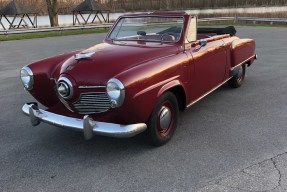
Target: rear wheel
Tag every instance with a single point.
(163, 120)
(237, 80)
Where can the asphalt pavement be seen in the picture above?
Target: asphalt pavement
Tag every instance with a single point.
(232, 140)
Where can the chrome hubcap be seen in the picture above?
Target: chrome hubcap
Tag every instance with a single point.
(165, 117)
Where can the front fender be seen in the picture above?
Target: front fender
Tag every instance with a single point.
(44, 72)
(146, 83)
(169, 86)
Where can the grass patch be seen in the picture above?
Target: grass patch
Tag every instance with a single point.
(21, 36)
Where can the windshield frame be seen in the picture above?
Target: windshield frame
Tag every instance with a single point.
(108, 37)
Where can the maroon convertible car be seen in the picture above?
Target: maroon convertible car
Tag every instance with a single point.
(148, 68)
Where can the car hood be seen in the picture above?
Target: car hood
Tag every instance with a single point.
(106, 60)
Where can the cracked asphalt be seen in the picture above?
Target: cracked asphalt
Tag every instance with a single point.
(233, 140)
(268, 175)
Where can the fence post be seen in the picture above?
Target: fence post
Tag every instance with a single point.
(235, 18)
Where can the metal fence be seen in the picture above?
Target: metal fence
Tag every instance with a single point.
(108, 25)
(48, 29)
(268, 20)
(251, 19)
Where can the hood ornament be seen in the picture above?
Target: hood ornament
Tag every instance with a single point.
(80, 56)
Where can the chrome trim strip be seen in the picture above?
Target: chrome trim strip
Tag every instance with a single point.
(254, 56)
(192, 103)
(86, 125)
(92, 87)
(65, 103)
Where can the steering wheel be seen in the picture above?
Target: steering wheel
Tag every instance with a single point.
(169, 36)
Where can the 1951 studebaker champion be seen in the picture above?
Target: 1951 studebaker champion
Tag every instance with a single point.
(148, 68)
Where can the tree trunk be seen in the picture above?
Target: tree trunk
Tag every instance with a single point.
(53, 8)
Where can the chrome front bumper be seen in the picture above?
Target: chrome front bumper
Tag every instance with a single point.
(86, 125)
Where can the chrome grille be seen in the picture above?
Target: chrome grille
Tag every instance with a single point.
(90, 103)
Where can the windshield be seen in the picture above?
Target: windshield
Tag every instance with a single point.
(158, 29)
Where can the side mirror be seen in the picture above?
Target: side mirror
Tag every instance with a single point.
(202, 42)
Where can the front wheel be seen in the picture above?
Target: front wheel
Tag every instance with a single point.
(163, 120)
(237, 80)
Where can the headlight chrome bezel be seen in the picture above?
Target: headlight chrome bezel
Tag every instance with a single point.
(27, 78)
(68, 84)
(116, 92)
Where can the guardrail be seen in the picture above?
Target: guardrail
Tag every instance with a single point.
(216, 19)
(107, 25)
(48, 29)
(256, 19)
(253, 19)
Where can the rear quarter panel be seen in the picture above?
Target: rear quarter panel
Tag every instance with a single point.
(242, 51)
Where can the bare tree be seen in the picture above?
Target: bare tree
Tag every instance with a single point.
(53, 8)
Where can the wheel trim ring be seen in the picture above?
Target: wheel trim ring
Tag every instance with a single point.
(240, 74)
(164, 132)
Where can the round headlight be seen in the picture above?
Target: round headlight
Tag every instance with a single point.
(116, 92)
(113, 90)
(27, 79)
(65, 87)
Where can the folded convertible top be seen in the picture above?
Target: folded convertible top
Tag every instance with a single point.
(219, 31)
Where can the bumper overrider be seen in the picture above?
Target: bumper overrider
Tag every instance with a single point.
(86, 125)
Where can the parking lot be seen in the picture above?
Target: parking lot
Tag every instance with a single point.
(225, 132)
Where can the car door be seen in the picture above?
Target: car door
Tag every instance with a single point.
(209, 67)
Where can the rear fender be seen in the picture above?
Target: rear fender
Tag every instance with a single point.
(242, 52)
